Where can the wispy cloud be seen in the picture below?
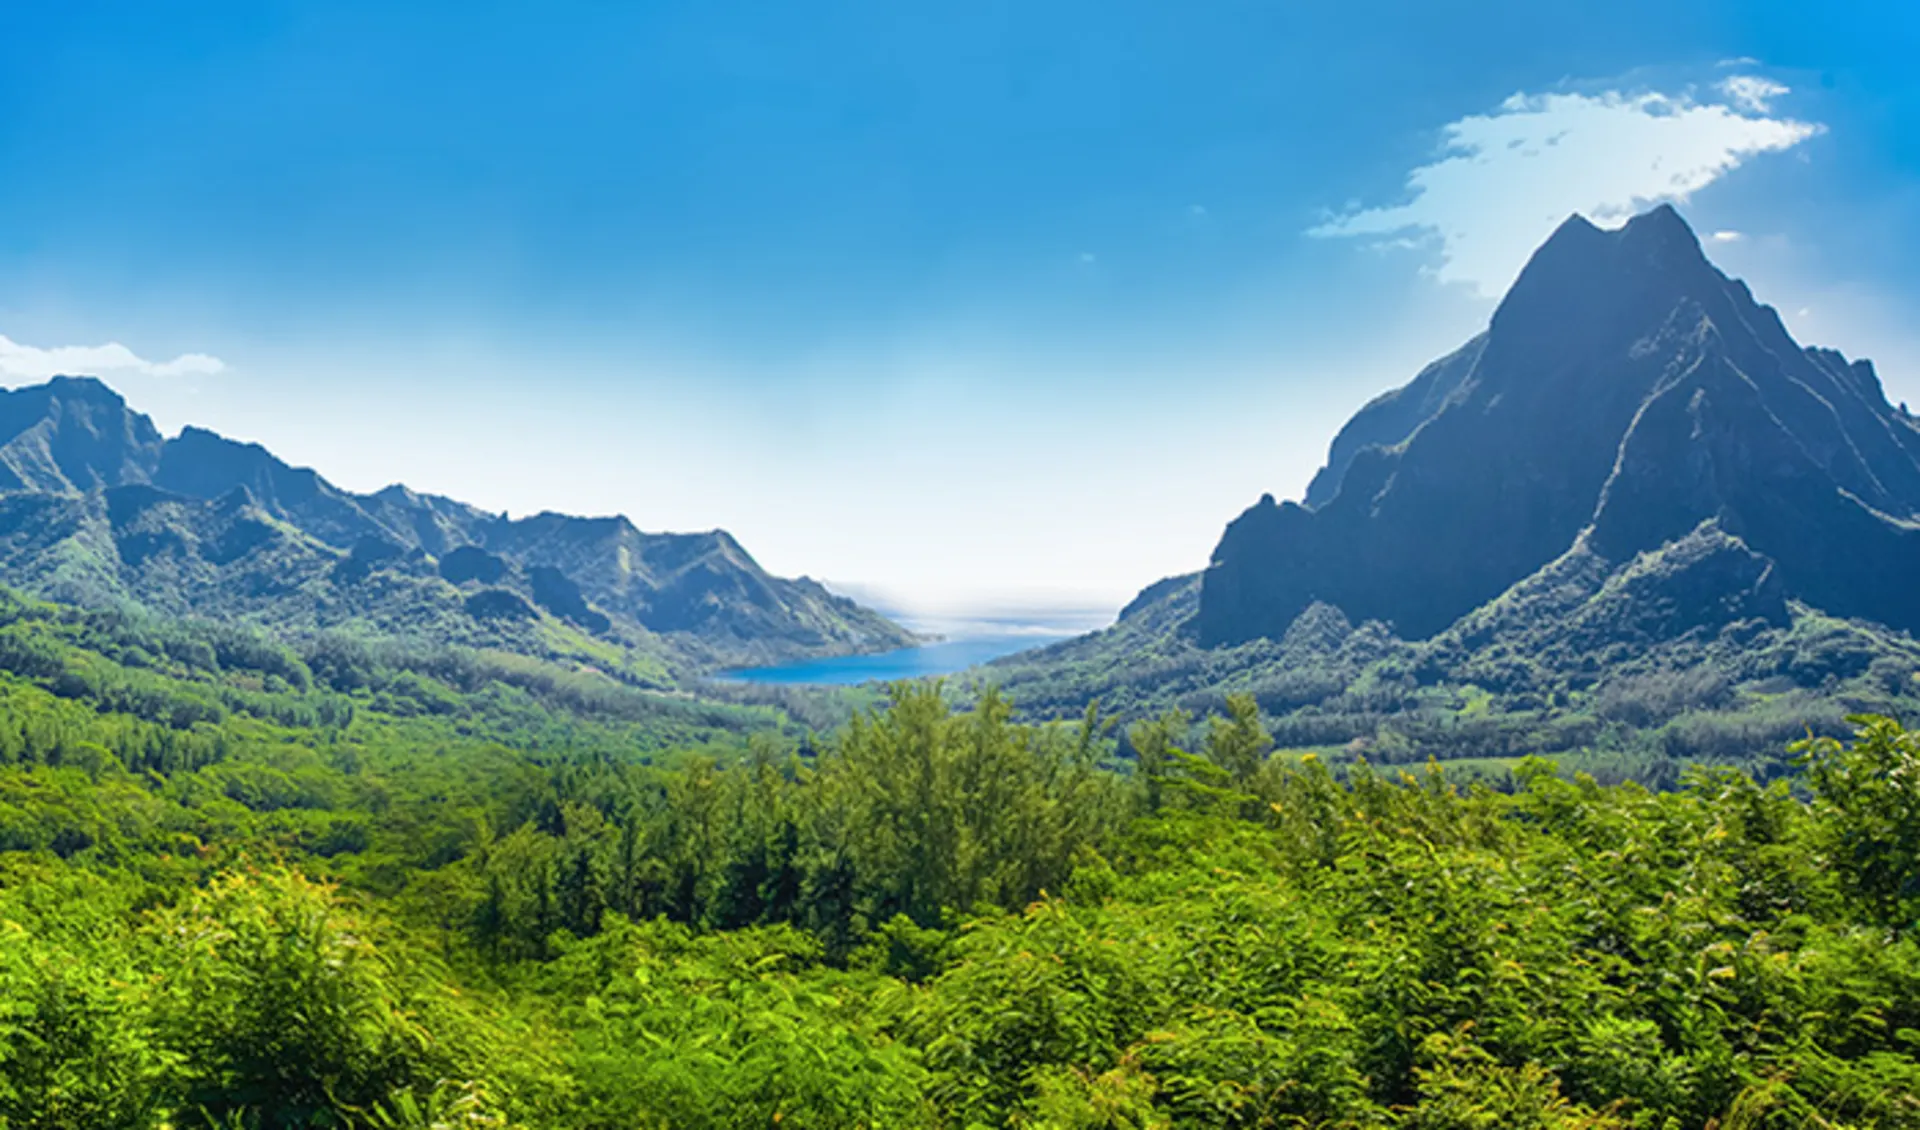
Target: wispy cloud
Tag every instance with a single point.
(1503, 180)
(27, 362)
(1752, 93)
(1727, 236)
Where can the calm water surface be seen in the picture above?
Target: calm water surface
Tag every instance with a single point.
(908, 663)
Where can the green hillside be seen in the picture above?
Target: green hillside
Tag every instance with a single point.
(1628, 674)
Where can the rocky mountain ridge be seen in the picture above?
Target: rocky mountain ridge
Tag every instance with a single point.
(97, 506)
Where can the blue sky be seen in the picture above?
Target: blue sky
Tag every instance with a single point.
(967, 303)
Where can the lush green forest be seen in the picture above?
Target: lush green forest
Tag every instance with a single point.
(245, 885)
(1596, 690)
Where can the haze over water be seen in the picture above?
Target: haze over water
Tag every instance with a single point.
(962, 640)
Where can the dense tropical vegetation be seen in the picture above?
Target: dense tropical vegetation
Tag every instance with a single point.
(245, 884)
(1507, 683)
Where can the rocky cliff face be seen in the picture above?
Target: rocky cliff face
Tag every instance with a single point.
(1625, 393)
(73, 434)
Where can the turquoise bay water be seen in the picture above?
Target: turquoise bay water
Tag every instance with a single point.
(942, 658)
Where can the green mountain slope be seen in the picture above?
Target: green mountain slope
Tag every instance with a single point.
(1685, 654)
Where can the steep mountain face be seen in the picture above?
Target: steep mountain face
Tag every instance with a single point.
(1625, 393)
(1393, 416)
(704, 584)
(72, 434)
(96, 506)
(200, 464)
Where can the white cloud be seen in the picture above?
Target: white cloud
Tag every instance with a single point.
(1504, 180)
(1752, 93)
(27, 362)
(1727, 236)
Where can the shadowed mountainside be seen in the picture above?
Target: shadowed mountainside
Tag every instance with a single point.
(1626, 386)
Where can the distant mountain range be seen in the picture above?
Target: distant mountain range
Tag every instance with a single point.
(96, 507)
(1633, 471)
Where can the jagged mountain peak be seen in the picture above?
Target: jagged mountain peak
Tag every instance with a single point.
(92, 388)
(1588, 279)
(1661, 223)
(236, 455)
(400, 494)
(1586, 293)
(1659, 236)
(72, 434)
(1624, 384)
